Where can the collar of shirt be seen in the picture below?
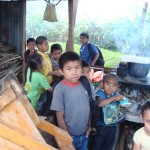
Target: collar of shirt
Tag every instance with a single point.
(83, 46)
(70, 84)
(108, 95)
(43, 54)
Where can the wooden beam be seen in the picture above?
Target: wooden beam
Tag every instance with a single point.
(23, 44)
(6, 97)
(72, 10)
(22, 140)
(55, 131)
(62, 145)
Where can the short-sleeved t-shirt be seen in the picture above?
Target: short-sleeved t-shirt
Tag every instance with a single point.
(84, 52)
(104, 96)
(73, 100)
(54, 63)
(47, 66)
(142, 139)
(34, 88)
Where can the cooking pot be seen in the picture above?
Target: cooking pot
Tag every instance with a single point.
(138, 70)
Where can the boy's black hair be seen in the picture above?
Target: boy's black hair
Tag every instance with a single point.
(55, 47)
(85, 64)
(85, 34)
(35, 61)
(68, 56)
(40, 40)
(145, 107)
(30, 40)
(109, 76)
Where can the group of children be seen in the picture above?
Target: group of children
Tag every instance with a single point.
(55, 81)
(40, 72)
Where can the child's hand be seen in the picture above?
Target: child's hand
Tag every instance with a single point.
(88, 132)
(57, 73)
(51, 89)
(119, 97)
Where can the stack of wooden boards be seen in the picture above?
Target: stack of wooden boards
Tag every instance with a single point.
(5, 48)
(19, 123)
(10, 62)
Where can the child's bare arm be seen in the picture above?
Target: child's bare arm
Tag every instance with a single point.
(56, 73)
(103, 102)
(61, 121)
(136, 146)
(95, 59)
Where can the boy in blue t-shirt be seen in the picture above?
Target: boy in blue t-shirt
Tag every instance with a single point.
(71, 101)
(89, 52)
(105, 136)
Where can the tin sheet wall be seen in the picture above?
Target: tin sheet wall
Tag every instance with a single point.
(11, 23)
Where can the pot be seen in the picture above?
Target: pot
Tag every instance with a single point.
(138, 70)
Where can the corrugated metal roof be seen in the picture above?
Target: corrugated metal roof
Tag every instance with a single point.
(11, 23)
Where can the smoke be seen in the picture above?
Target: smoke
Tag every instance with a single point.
(132, 35)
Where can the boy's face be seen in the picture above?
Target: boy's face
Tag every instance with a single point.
(83, 39)
(56, 54)
(44, 47)
(110, 86)
(31, 45)
(86, 71)
(72, 71)
(146, 120)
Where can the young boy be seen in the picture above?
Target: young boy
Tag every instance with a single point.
(89, 52)
(56, 51)
(71, 101)
(105, 137)
(43, 47)
(30, 50)
(86, 69)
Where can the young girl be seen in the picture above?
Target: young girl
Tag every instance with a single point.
(36, 82)
(142, 136)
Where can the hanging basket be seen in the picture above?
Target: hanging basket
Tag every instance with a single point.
(50, 13)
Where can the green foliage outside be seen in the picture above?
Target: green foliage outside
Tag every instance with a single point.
(112, 58)
(115, 38)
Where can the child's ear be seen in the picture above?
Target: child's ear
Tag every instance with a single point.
(38, 46)
(101, 83)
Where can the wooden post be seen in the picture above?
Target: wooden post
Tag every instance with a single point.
(72, 10)
(23, 45)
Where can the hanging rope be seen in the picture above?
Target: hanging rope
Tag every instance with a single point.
(49, 1)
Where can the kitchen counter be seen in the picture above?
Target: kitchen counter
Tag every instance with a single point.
(132, 80)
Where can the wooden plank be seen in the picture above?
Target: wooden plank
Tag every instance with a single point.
(7, 145)
(62, 145)
(55, 131)
(6, 97)
(15, 116)
(22, 139)
(24, 100)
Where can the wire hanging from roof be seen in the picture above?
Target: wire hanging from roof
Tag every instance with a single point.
(52, 2)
